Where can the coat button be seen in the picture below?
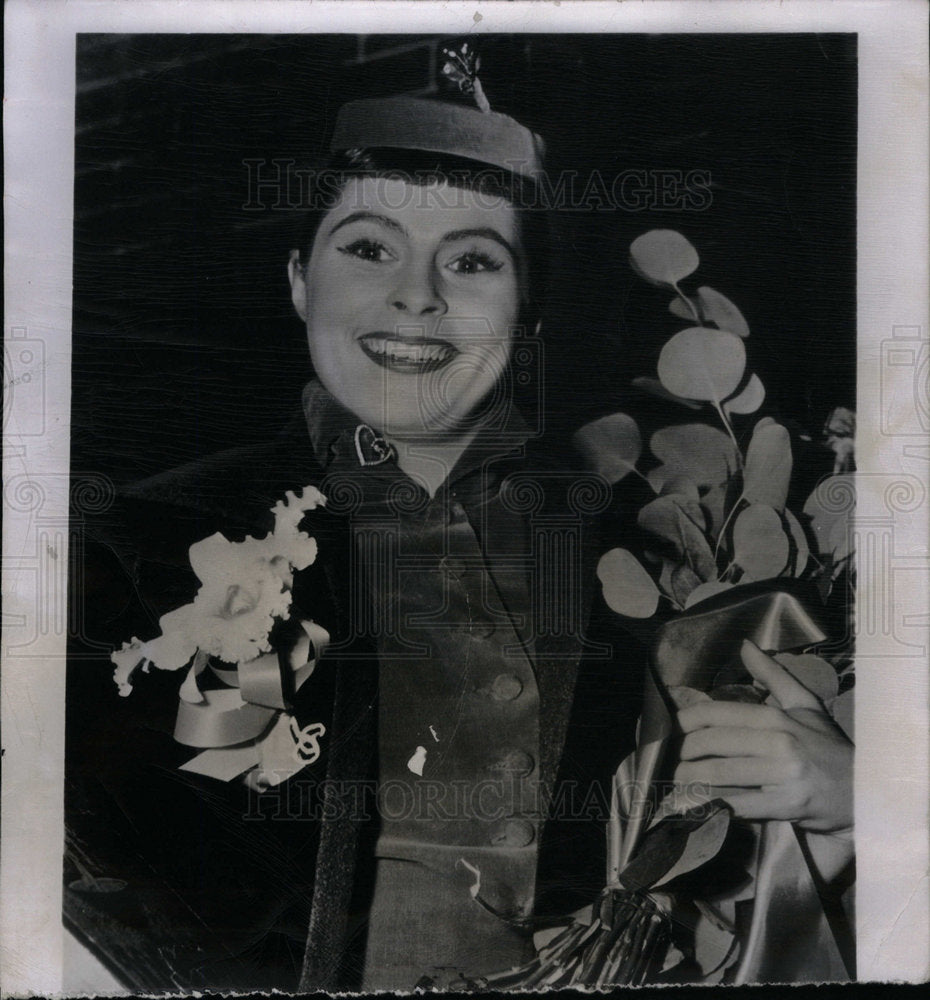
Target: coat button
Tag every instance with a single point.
(513, 761)
(505, 687)
(455, 513)
(512, 833)
(453, 565)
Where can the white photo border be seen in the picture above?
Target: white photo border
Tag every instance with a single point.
(893, 693)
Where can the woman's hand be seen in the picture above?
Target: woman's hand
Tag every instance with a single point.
(788, 761)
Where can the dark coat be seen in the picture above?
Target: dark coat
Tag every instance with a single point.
(260, 872)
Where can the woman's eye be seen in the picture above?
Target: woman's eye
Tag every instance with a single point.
(370, 250)
(474, 262)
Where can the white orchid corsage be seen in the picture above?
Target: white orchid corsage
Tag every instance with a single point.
(245, 591)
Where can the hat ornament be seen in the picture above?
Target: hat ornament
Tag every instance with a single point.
(461, 70)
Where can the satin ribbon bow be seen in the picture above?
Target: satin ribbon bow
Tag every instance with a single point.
(247, 725)
(790, 937)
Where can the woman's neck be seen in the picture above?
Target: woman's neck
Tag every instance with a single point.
(429, 461)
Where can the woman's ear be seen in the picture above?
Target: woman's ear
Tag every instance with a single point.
(295, 274)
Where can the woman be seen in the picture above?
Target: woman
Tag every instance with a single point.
(473, 673)
(417, 287)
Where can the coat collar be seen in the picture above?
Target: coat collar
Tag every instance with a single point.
(331, 428)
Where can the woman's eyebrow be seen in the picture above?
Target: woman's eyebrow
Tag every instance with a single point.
(487, 233)
(387, 222)
(381, 220)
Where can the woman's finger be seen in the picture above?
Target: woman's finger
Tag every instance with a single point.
(737, 741)
(789, 691)
(742, 772)
(737, 714)
(764, 804)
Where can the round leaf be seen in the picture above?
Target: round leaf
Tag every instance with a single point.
(685, 488)
(714, 505)
(700, 363)
(800, 542)
(831, 507)
(749, 400)
(703, 843)
(706, 591)
(681, 493)
(679, 522)
(628, 588)
(767, 475)
(712, 307)
(840, 541)
(701, 452)
(655, 388)
(610, 446)
(712, 947)
(719, 310)
(679, 308)
(677, 581)
(684, 582)
(663, 257)
(760, 545)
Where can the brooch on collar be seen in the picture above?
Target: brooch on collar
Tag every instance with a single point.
(370, 448)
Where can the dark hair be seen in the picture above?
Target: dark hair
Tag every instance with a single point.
(421, 168)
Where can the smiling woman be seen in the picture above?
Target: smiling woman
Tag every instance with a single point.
(444, 270)
(407, 305)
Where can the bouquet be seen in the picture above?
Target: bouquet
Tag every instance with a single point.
(723, 558)
(239, 628)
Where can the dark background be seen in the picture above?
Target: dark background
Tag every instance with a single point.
(184, 339)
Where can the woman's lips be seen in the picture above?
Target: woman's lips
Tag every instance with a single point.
(407, 355)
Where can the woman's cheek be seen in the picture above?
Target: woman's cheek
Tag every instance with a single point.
(495, 307)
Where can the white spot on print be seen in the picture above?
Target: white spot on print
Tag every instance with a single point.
(475, 887)
(417, 761)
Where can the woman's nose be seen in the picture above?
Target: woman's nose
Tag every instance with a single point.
(416, 292)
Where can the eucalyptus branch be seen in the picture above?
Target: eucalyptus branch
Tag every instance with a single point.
(645, 479)
(729, 429)
(724, 526)
(671, 600)
(689, 305)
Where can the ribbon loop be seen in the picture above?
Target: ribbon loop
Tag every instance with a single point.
(252, 708)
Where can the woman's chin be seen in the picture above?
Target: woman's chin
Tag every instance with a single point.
(416, 418)
(404, 429)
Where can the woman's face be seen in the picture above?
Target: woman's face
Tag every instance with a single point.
(409, 299)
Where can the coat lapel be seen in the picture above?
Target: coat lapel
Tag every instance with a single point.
(566, 546)
(350, 767)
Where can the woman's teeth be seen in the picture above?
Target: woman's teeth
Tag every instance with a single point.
(412, 352)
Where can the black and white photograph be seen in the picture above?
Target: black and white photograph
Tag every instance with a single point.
(451, 577)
